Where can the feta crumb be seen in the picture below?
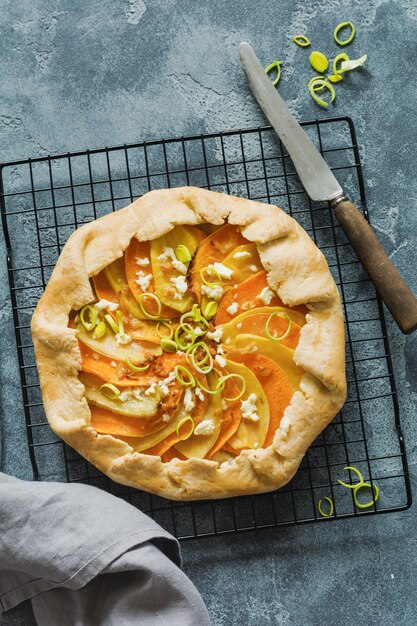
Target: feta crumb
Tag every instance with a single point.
(142, 262)
(220, 350)
(253, 268)
(106, 304)
(206, 427)
(166, 417)
(220, 360)
(225, 406)
(199, 394)
(255, 445)
(233, 308)
(216, 334)
(239, 325)
(169, 254)
(242, 255)
(143, 280)
(266, 295)
(228, 340)
(214, 292)
(189, 401)
(113, 363)
(125, 395)
(248, 408)
(222, 270)
(122, 339)
(180, 284)
(164, 384)
(150, 391)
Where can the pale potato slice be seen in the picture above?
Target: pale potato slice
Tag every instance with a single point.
(136, 352)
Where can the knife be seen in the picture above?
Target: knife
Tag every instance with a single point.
(321, 185)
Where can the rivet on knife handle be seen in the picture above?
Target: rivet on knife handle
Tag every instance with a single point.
(390, 285)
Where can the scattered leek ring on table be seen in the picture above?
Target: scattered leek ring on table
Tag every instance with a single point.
(338, 28)
(287, 331)
(302, 40)
(319, 61)
(331, 507)
(323, 84)
(153, 297)
(188, 381)
(91, 311)
(340, 57)
(374, 500)
(137, 368)
(111, 391)
(182, 422)
(357, 472)
(274, 65)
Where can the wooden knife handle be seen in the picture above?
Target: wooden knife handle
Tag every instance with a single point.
(390, 285)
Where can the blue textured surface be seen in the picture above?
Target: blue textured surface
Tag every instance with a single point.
(77, 75)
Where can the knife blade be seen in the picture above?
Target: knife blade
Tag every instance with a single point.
(321, 185)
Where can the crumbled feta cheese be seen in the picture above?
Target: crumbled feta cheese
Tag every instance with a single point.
(222, 270)
(233, 308)
(189, 401)
(199, 394)
(242, 255)
(142, 262)
(266, 295)
(143, 280)
(206, 427)
(169, 254)
(166, 417)
(214, 292)
(150, 391)
(220, 360)
(125, 395)
(248, 408)
(180, 284)
(225, 406)
(239, 325)
(255, 445)
(106, 304)
(216, 334)
(253, 268)
(228, 340)
(164, 384)
(113, 363)
(220, 350)
(122, 339)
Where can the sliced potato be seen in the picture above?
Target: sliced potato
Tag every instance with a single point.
(197, 446)
(283, 356)
(163, 272)
(250, 434)
(136, 352)
(244, 261)
(142, 406)
(116, 275)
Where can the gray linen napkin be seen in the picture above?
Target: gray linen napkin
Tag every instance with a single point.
(87, 558)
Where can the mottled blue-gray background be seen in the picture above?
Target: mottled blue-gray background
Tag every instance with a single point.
(92, 73)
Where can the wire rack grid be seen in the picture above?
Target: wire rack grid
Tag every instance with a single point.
(43, 200)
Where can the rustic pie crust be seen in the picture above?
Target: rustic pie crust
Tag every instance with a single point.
(296, 271)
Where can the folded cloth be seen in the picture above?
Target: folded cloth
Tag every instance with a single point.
(87, 558)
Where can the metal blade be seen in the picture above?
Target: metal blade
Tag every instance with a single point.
(312, 169)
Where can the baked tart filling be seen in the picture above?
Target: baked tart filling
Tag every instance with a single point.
(186, 350)
(191, 344)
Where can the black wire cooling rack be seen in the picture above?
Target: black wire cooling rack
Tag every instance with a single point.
(43, 200)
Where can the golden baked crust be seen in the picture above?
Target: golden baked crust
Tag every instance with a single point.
(297, 271)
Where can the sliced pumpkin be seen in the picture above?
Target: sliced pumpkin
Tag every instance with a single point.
(275, 384)
(244, 261)
(141, 405)
(197, 446)
(254, 322)
(250, 434)
(214, 248)
(164, 271)
(136, 352)
(283, 356)
(103, 289)
(108, 423)
(246, 295)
